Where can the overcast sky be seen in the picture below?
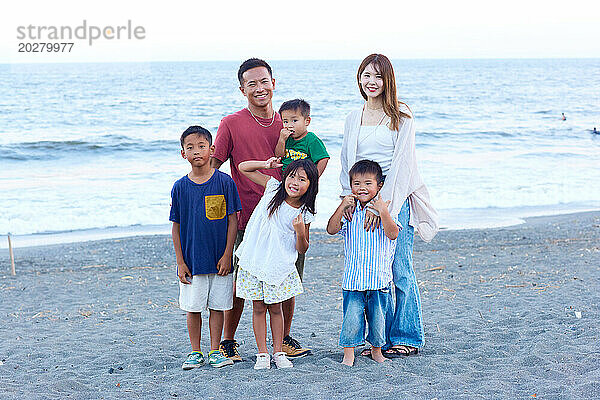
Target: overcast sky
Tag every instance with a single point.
(313, 29)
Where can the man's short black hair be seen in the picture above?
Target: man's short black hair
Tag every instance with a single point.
(196, 130)
(252, 63)
(296, 104)
(363, 167)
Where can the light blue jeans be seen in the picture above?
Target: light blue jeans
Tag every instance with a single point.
(403, 322)
(371, 305)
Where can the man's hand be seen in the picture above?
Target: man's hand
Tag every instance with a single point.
(298, 224)
(183, 272)
(273, 162)
(224, 265)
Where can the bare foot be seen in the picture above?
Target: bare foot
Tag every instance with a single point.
(348, 356)
(348, 361)
(376, 355)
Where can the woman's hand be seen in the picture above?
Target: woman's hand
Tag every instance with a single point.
(372, 221)
(273, 162)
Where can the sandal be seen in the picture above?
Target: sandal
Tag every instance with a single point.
(400, 351)
(366, 352)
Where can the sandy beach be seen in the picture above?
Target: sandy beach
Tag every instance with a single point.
(508, 313)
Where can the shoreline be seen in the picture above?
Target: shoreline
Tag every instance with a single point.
(508, 313)
(460, 219)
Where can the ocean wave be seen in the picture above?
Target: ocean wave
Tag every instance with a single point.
(107, 144)
(476, 134)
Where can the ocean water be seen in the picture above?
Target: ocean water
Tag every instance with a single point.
(95, 146)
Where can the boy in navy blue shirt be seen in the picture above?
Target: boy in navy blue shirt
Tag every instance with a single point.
(204, 206)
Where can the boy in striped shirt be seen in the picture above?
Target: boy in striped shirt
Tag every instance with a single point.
(368, 257)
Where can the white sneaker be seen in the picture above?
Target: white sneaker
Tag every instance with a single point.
(281, 360)
(263, 361)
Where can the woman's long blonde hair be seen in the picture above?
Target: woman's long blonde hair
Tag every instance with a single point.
(391, 104)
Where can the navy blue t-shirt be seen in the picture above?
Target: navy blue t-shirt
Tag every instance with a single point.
(201, 211)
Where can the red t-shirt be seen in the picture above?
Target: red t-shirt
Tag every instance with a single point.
(241, 138)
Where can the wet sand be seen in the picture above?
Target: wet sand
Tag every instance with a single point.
(508, 313)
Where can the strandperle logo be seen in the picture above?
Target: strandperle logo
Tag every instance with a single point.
(87, 32)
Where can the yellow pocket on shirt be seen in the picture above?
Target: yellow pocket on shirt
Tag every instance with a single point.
(215, 206)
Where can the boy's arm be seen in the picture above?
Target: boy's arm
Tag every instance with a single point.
(182, 269)
(280, 148)
(224, 264)
(390, 228)
(321, 165)
(335, 222)
(302, 234)
(250, 169)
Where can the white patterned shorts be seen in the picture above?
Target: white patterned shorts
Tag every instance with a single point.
(249, 287)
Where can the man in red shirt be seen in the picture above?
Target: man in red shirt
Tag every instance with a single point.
(252, 134)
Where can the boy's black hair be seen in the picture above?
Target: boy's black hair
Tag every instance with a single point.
(252, 63)
(363, 167)
(196, 130)
(296, 104)
(308, 199)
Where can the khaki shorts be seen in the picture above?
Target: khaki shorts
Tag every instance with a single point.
(238, 240)
(206, 292)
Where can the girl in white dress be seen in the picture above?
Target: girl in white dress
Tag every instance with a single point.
(277, 231)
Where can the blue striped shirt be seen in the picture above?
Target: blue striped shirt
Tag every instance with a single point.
(368, 256)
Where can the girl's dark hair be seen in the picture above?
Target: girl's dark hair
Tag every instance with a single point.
(308, 199)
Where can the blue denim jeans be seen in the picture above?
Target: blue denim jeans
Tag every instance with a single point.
(404, 323)
(371, 304)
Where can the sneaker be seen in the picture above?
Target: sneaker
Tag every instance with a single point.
(194, 360)
(263, 361)
(217, 359)
(293, 349)
(281, 360)
(229, 349)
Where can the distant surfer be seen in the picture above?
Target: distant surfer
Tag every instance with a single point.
(595, 132)
(564, 118)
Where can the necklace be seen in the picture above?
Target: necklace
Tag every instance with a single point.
(258, 122)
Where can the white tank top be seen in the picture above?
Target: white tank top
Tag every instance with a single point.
(376, 143)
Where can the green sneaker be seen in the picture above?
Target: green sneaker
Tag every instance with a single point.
(218, 360)
(194, 360)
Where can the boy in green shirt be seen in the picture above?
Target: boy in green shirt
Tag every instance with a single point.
(295, 142)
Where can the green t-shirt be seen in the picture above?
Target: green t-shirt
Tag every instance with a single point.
(310, 146)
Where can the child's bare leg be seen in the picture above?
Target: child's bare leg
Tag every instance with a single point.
(215, 323)
(276, 317)
(259, 324)
(349, 356)
(194, 325)
(376, 354)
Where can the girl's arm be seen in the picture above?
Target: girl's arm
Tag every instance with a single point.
(250, 169)
(302, 234)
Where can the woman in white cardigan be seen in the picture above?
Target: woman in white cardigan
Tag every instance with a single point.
(382, 130)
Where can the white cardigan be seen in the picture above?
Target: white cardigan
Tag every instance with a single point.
(403, 180)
